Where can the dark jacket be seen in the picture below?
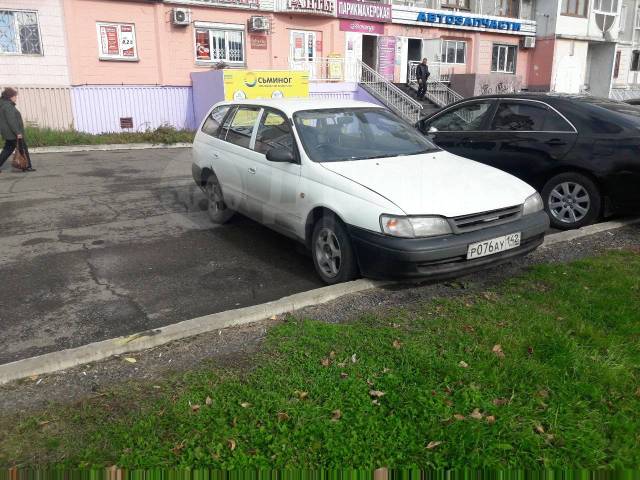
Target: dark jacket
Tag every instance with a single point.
(422, 72)
(11, 124)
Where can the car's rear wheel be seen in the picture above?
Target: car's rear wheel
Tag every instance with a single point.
(572, 200)
(332, 252)
(217, 209)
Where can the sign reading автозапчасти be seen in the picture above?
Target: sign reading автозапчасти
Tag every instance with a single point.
(464, 21)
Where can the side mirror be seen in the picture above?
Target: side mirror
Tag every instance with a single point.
(433, 130)
(280, 155)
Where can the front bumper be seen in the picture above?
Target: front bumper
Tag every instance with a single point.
(383, 256)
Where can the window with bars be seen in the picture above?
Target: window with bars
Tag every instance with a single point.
(453, 51)
(575, 8)
(19, 33)
(220, 45)
(503, 59)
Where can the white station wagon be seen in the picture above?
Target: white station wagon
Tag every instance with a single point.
(364, 191)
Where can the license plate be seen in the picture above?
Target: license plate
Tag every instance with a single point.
(494, 245)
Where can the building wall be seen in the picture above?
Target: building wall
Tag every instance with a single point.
(541, 64)
(47, 69)
(569, 66)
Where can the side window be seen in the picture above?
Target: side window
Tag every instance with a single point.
(463, 119)
(213, 122)
(513, 116)
(274, 132)
(242, 125)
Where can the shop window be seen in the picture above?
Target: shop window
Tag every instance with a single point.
(503, 59)
(19, 33)
(453, 51)
(508, 8)
(616, 67)
(117, 41)
(458, 4)
(220, 45)
(274, 132)
(606, 6)
(635, 61)
(575, 8)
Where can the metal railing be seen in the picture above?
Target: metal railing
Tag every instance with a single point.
(339, 69)
(438, 91)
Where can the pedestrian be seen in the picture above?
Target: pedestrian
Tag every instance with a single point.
(12, 128)
(422, 75)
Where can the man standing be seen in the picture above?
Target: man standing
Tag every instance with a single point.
(12, 127)
(422, 75)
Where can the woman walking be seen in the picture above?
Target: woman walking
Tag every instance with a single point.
(12, 128)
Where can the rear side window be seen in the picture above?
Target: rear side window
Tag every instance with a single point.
(213, 122)
(467, 118)
(528, 117)
(242, 125)
(274, 132)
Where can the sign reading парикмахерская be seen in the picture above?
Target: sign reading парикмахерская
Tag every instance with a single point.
(461, 21)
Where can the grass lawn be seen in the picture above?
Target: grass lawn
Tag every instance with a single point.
(44, 137)
(542, 372)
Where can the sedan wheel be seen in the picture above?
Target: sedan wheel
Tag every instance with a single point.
(216, 207)
(332, 253)
(572, 200)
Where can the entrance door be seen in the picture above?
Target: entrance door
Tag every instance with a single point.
(370, 51)
(302, 51)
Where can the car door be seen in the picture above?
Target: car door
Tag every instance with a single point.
(273, 187)
(459, 129)
(531, 138)
(234, 153)
(208, 145)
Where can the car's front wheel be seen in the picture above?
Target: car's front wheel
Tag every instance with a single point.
(572, 200)
(332, 252)
(217, 209)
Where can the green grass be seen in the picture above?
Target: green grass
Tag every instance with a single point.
(563, 393)
(45, 137)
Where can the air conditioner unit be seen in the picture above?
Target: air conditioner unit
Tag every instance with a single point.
(528, 42)
(259, 24)
(181, 16)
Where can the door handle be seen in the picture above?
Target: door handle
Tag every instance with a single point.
(555, 142)
(252, 170)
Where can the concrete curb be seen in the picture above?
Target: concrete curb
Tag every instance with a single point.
(104, 148)
(93, 352)
(586, 231)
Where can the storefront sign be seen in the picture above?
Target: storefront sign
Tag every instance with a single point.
(387, 57)
(464, 21)
(376, 12)
(254, 84)
(258, 42)
(250, 4)
(311, 6)
(361, 27)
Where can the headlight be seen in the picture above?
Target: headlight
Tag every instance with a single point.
(532, 204)
(410, 227)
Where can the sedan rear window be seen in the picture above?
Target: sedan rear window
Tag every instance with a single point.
(336, 135)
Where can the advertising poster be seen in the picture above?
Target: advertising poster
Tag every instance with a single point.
(127, 41)
(386, 56)
(203, 49)
(259, 42)
(254, 84)
(110, 42)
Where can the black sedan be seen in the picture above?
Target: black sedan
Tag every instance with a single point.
(582, 153)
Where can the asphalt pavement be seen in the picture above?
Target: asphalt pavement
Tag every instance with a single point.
(95, 245)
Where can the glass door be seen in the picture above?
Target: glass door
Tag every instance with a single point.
(302, 51)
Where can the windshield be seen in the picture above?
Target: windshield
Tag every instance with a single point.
(337, 135)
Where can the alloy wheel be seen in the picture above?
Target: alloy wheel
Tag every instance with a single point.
(328, 253)
(569, 202)
(216, 201)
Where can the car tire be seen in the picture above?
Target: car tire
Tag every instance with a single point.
(217, 209)
(572, 200)
(332, 252)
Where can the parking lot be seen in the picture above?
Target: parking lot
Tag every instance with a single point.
(100, 244)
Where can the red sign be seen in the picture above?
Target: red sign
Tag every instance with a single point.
(110, 43)
(258, 42)
(203, 50)
(361, 27)
(376, 12)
